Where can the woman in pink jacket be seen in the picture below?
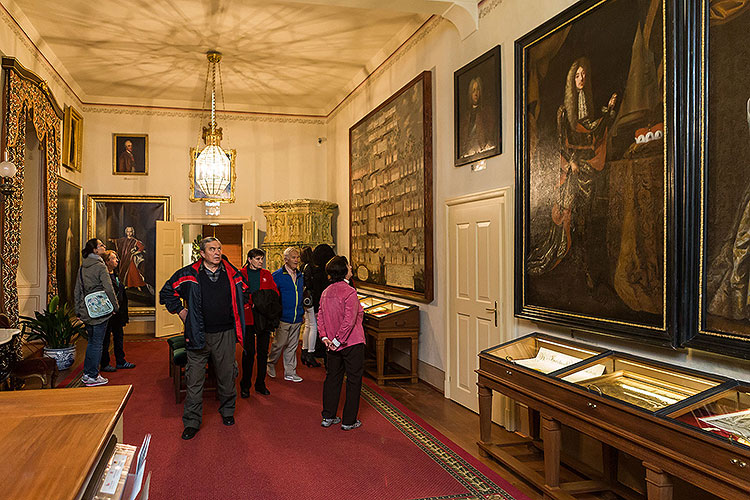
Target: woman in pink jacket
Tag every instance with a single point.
(340, 329)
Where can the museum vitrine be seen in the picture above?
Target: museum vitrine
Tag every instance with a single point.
(649, 385)
(544, 353)
(369, 301)
(725, 415)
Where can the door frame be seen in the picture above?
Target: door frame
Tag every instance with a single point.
(504, 197)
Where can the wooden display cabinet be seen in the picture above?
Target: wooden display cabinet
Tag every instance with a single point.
(386, 320)
(666, 447)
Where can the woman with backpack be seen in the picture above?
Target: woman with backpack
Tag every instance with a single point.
(95, 302)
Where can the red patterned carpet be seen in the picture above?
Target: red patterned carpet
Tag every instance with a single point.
(278, 450)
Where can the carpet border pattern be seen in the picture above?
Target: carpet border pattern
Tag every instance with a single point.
(478, 485)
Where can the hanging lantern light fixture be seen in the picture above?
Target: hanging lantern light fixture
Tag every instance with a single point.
(212, 165)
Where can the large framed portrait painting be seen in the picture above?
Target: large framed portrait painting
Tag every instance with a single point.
(69, 236)
(721, 288)
(594, 158)
(127, 225)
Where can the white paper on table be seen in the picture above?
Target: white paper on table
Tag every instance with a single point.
(590, 372)
(146, 487)
(737, 423)
(547, 360)
(137, 482)
(112, 478)
(140, 467)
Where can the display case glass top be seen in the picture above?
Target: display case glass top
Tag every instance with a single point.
(369, 301)
(386, 309)
(543, 353)
(650, 386)
(726, 415)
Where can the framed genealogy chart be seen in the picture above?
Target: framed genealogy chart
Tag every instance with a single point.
(390, 209)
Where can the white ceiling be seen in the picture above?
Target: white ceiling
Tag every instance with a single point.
(294, 56)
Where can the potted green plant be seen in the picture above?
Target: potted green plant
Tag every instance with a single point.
(58, 329)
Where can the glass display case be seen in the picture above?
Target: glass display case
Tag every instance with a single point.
(369, 301)
(648, 385)
(545, 353)
(725, 414)
(385, 309)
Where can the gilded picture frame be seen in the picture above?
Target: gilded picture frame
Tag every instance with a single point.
(127, 224)
(196, 194)
(719, 187)
(595, 171)
(72, 156)
(390, 194)
(130, 154)
(478, 109)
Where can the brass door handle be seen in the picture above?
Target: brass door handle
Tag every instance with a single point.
(494, 311)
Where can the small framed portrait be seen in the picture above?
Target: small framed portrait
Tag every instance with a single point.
(130, 154)
(477, 109)
(72, 139)
(197, 193)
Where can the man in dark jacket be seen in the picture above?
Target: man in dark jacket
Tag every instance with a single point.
(260, 282)
(214, 295)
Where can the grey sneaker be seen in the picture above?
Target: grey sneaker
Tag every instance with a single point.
(271, 371)
(293, 378)
(327, 422)
(91, 382)
(350, 427)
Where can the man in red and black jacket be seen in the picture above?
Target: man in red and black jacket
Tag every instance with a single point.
(262, 313)
(214, 294)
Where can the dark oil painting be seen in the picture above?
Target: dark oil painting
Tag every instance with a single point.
(127, 225)
(69, 244)
(725, 273)
(592, 167)
(477, 109)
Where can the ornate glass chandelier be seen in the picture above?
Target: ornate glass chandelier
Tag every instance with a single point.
(212, 166)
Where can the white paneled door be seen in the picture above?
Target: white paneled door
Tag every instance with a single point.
(168, 260)
(479, 291)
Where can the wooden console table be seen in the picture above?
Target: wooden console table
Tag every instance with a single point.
(52, 441)
(665, 447)
(386, 320)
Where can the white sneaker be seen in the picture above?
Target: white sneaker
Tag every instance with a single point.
(293, 378)
(91, 382)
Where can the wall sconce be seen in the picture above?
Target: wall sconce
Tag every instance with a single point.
(7, 171)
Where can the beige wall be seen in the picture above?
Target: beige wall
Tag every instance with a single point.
(277, 158)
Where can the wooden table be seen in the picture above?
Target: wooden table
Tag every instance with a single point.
(665, 447)
(403, 324)
(52, 440)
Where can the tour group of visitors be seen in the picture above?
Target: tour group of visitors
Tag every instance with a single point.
(221, 305)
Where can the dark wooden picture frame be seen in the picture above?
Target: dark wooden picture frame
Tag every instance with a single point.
(390, 194)
(595, 202)
(477, 105)
(69, 236)
(108, 218)
(133, 162)
(717, 315)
